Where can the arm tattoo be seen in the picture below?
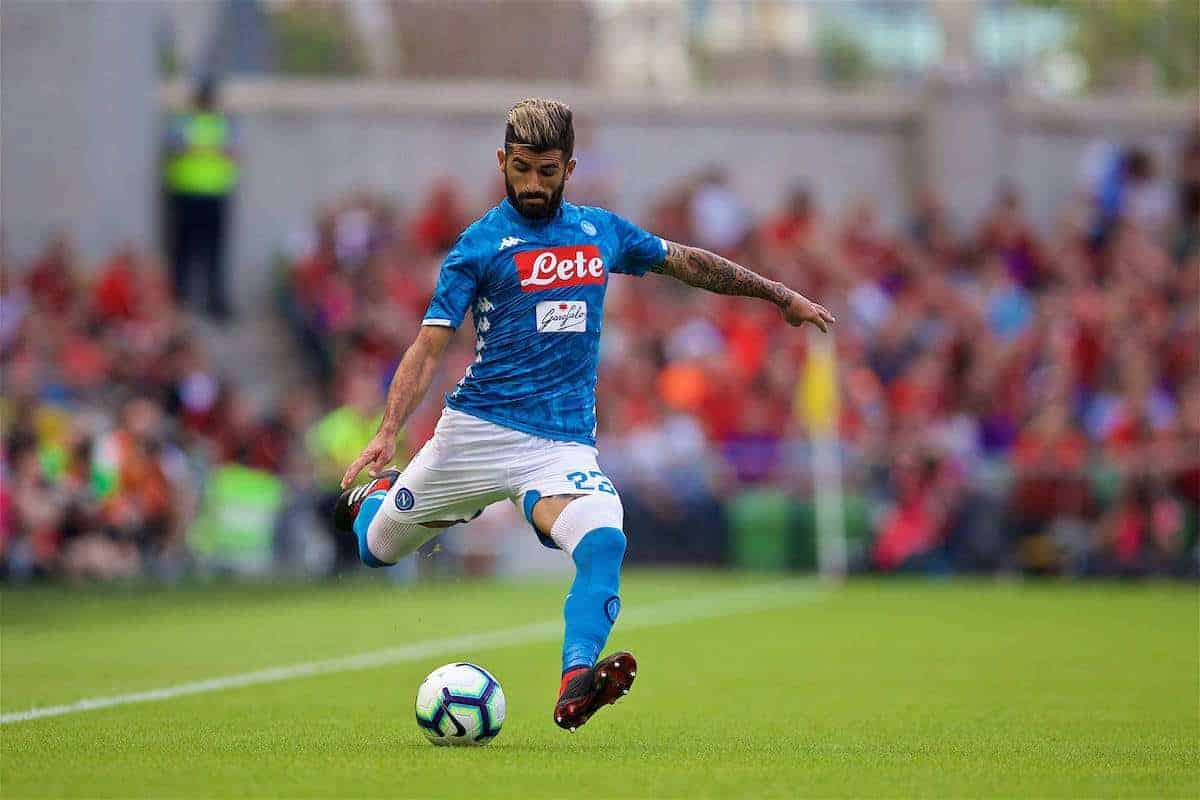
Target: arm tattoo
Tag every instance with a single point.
(710, 271)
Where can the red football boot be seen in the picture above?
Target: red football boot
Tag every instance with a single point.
(350, 500)
(585, 689)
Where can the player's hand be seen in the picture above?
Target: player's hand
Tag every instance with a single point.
(375, 456)
(800, 310)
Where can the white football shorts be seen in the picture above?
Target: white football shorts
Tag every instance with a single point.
(470, 463)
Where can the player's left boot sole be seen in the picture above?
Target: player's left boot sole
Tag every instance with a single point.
(612, 677)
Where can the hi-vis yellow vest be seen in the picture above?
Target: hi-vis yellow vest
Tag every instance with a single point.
(203, 167)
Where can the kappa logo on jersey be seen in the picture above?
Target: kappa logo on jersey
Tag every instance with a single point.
(562, 316)
(572, 265)
(510, 241)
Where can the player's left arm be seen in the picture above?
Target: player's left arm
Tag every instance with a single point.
(705, 270)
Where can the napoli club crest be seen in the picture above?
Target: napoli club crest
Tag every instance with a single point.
(612, 608)
(587, 228)
(404, 500)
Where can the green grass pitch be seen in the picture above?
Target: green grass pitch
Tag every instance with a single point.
(749, 686)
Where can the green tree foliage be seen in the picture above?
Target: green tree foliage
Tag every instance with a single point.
(315, 39)
(844, 61)
(1113, 35)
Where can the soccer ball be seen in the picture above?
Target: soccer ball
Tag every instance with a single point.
(460, 704)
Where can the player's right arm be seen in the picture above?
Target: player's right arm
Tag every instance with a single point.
(456, 288)
(641, 252)
(705, 270)
(409, 385)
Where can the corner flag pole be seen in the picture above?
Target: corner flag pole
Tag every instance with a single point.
(817, 400)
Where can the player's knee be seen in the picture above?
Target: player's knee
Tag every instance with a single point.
(601, 545)
(588, 514)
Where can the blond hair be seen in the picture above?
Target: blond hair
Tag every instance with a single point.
(540, 124)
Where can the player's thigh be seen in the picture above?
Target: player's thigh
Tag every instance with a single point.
(436, 492)
(561, 473)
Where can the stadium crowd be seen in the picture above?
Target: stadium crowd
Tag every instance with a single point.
(1011, 399)
(114, 414)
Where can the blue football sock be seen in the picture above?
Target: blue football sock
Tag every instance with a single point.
(366, 512)
(593, 604)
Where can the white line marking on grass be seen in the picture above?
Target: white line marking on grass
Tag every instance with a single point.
(716, 604)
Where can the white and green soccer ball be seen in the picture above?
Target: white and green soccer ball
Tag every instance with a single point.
(460, 704)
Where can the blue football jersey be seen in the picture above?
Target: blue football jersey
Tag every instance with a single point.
(535, 289)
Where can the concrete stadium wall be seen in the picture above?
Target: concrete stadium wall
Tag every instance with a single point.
(78, 124)
(302, 144)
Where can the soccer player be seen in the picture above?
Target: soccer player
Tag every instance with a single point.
(521, 424)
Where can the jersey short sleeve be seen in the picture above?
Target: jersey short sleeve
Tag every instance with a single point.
(457, 283)
(639, 250)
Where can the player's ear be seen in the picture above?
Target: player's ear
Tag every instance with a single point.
(500, 157)
(570, 168)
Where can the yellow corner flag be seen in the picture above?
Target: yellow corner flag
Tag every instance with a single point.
(816, 400)
(817, 403)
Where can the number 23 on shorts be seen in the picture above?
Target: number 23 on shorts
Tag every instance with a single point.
(584, 482)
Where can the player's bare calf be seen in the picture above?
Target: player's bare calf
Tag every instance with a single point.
(587, 689)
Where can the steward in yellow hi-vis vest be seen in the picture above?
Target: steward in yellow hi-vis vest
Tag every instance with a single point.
(200, 174)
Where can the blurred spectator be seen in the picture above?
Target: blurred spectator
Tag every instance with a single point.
(34, 511)
(718, 216)
(51, 280)
(596, 177)
(1127, 189)
(1187, 235)
(442, 219)
(914, 528)
(337, 438)
(1005, 234)
(792, 227)
(200, 174)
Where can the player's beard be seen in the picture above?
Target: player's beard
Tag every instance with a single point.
(545, 211)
